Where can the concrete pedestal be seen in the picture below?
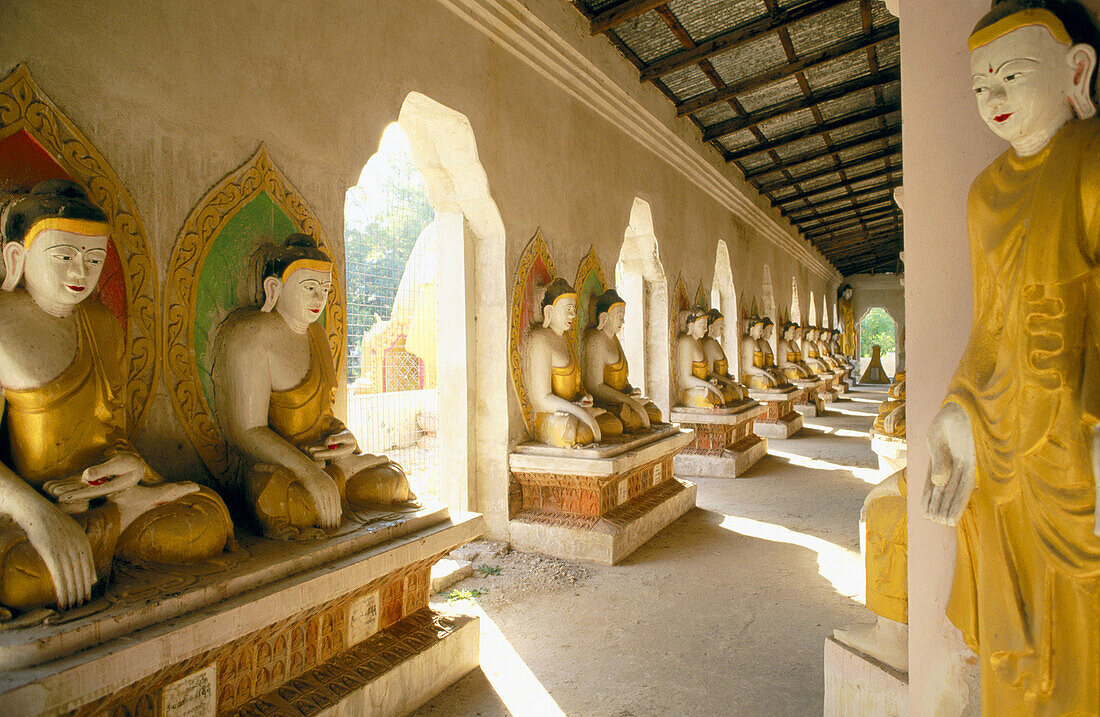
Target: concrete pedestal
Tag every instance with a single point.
(599, 504)
(288, 628)
(781, 420)
(808, 400)
(828, 392)
(891, 451)
(857, 685)
(725, 444)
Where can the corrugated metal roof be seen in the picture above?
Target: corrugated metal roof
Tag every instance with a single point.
(821, 144)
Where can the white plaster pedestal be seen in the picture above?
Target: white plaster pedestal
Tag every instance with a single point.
(829, 392)
(891, 452)
(599, 504)
(725, 445)
(857, 685)
(781, 419)
(341, 624)
(808, 401)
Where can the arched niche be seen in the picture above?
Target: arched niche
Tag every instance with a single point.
(890, 347)
(811, 319)
(768, 309)
(473, 410)
(796, 308)
(723, 296)
(38, 142)
(640, 279)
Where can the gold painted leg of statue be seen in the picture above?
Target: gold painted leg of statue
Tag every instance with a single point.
(654, 413)
(632, 422)
(282, 506)
(380, 484)
(185, 529)
(610, 426)
(698, 398)
(562, 430)
(25, 582)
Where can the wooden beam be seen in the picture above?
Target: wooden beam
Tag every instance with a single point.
(736, 37)
(755, 82)
(855, 229)
(819, 129)
(862, 267)
(876, 203)
(831, 186)
(855, 197)
(863, 141)
(846, 223)
(620, 13)
(846, 89)
(846, 166)
(878, 239)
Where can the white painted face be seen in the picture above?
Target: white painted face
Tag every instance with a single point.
(1022, 82)
(698, 328)
(614, 318)
(304, 295)
(715, 330)
(756, 331)
(561, 314)
(62, 268)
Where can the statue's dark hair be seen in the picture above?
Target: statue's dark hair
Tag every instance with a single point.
(1079, 22)
(605, 301)
(557, 288)
(295, 248)
(714, 315)
(49, 199)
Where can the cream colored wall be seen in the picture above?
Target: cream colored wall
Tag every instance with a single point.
(177, 95)
(946, 145)
(884, 290)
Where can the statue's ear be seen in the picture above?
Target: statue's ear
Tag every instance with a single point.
(15, 255)
(601, 321)
(1082, 58)
(273, 288)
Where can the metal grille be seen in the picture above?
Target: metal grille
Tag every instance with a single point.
(390, 245)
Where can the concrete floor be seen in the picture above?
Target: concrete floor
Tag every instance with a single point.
(725, 612)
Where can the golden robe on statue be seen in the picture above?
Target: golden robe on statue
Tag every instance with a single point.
(1026, 592)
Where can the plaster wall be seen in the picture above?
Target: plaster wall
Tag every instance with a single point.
(946, 145)
(177, 95)
(869, 291)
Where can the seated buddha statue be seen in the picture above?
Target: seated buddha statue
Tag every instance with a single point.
(274, 385)
(822, 345)
(790, 354)
(809, 350)
(692, 367)
(886, 566)
(74, 494)
(606, 371)
(732, 391)
(769, 358)
(891, 412)
(753, 367)
(565, 415)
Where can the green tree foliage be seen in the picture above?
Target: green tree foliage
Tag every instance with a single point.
(877, 328)
(383, 216)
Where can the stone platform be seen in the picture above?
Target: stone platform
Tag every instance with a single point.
(808, 400)
(857, 685)
(829, 392)
(781, 420)
(270, 626)
(725, 445)
(891, 451)
(598, 504)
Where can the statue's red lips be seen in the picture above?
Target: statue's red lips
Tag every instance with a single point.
(74, 287)
(1002, 118)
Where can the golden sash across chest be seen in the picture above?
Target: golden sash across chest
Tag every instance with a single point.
(301, 414)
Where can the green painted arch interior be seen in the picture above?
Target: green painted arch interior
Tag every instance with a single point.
(225, 282)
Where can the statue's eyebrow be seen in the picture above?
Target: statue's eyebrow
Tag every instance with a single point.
(1017, 59)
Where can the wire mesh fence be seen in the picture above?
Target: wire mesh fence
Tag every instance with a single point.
(390, 254)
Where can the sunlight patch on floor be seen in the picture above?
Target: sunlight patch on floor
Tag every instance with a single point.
(512, 680)
(842, 432)
(832, 408)
(870, 476)
(840, 566)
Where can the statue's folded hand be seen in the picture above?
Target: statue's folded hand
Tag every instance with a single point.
(63, 547)
(122, 471)
(952, 475)
(336, 446)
